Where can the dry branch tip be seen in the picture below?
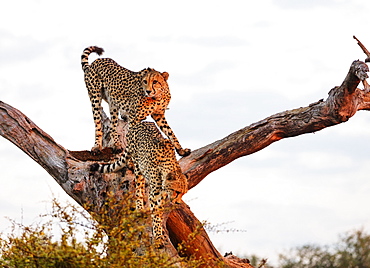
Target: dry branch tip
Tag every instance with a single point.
(364, 49)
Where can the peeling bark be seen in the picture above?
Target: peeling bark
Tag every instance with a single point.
(71, 169)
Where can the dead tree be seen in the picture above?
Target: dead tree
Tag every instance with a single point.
(71, 169)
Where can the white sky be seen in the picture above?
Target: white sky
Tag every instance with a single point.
(231, 63)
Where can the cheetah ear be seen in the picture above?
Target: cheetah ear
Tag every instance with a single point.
(165, 75)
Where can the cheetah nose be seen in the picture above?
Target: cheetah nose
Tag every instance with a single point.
(148, 92)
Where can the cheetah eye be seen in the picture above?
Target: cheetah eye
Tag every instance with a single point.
(155, 82)
(145, 82)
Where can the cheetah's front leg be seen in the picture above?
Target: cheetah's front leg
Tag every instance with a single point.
(158, 231)
(139, 190)
(163, 125)
(157, 200)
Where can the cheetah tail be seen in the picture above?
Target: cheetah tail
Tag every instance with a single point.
(118, 164)
(85, 55)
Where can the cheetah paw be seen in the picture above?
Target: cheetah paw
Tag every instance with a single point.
(117, 149)
(184, 152)
(96, 150)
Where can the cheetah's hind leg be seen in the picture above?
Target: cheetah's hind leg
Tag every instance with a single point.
(117, 146)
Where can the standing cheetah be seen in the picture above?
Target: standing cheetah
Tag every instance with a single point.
(134, 95)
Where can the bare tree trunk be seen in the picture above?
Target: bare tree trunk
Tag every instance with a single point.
(71, 169)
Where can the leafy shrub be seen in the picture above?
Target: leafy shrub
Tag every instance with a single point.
(70, 237)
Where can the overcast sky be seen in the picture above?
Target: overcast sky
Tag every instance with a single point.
(231, 63)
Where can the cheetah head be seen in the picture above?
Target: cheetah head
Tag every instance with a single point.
(155, 84)
(176, 185)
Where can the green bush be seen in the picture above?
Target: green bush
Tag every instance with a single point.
(69, 237)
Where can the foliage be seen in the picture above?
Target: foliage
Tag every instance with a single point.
(116, 238)
(352, 251)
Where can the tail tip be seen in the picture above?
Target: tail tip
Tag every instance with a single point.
(99, 50)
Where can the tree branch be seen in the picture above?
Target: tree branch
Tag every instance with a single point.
(20, 130)
(341, 104)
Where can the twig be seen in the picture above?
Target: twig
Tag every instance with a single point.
(366, 85)
(262, 263)
(363, 49)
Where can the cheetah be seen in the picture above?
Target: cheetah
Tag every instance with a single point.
(134, 95)
(154, 161)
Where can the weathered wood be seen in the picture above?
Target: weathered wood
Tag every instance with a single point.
(71, 169)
